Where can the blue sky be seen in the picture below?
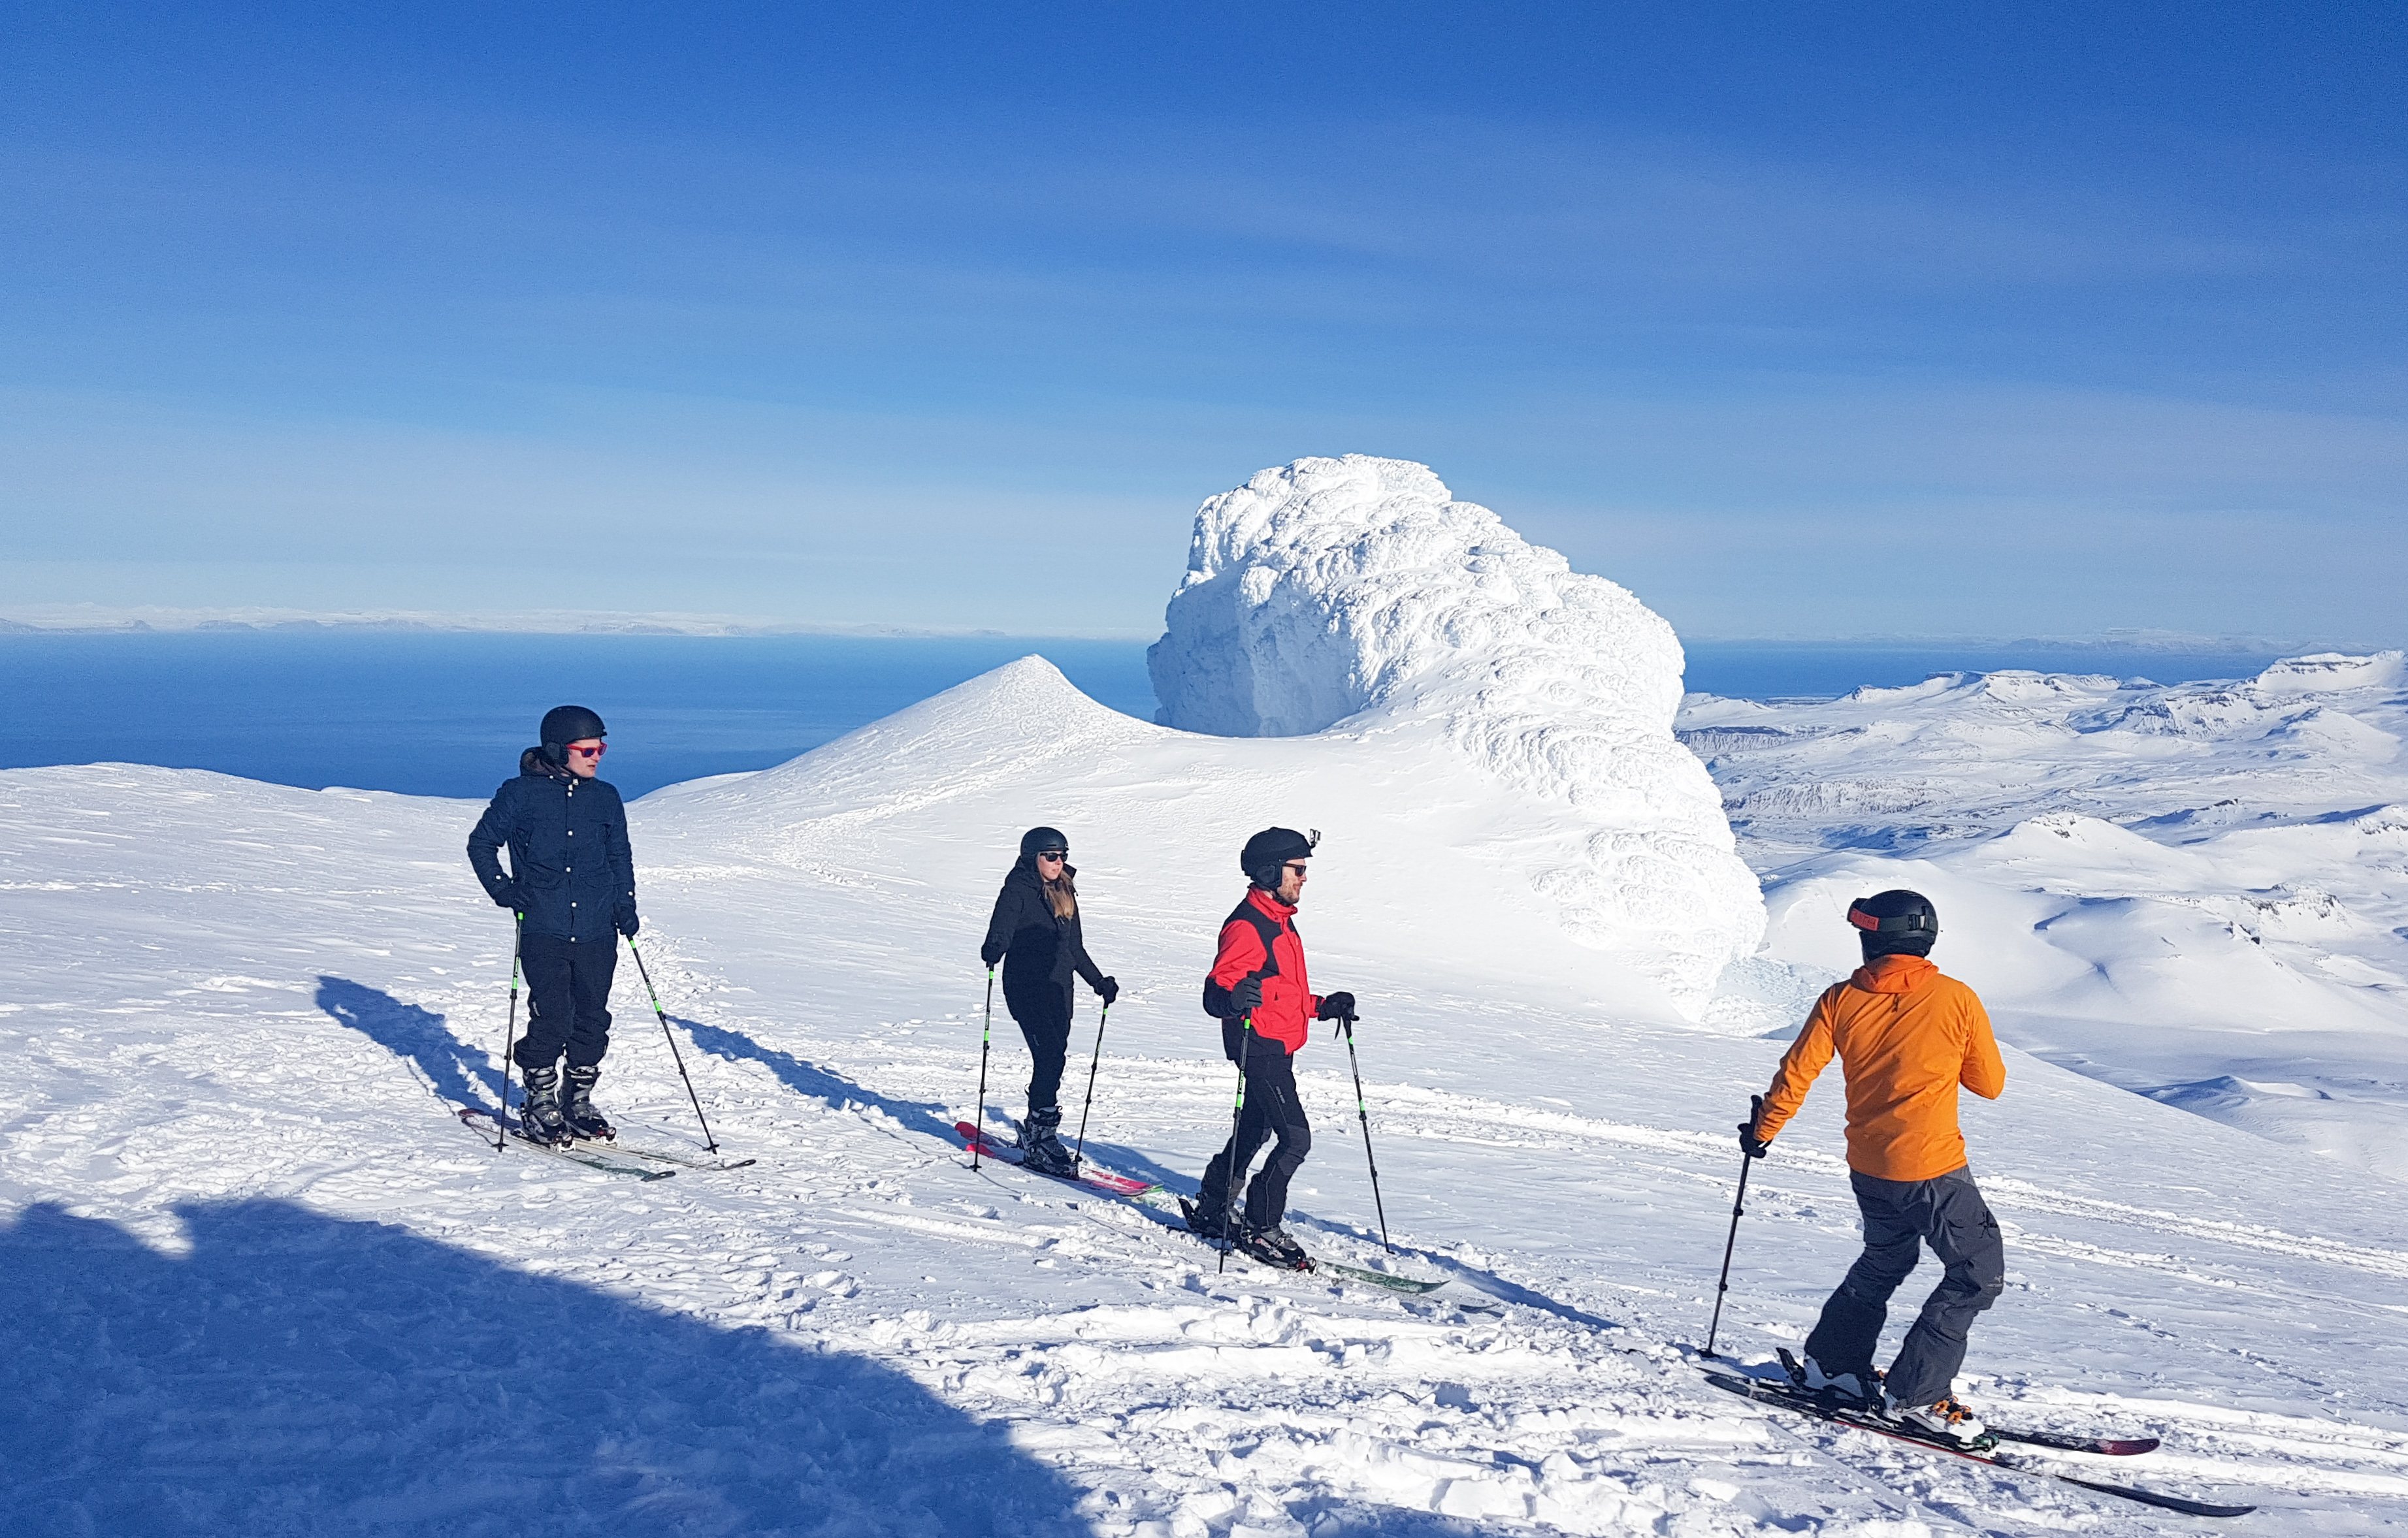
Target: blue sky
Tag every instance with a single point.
(1814, 320)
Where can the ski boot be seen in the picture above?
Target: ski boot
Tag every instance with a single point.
(1041, 1145)
(540, 1118)
(1948, 1422)
(1855, 1388)
(1273, 1248)
(576, 1107)
(1205, 1220)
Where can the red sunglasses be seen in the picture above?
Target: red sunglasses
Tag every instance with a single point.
(594, 752)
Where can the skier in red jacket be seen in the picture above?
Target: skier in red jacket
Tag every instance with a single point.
(1267, 1007)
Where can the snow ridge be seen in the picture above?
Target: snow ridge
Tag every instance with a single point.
(1358, 595)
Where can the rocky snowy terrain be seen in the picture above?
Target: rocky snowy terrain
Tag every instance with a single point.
(259, 1277)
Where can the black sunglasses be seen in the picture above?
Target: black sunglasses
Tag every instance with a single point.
(1052, 854)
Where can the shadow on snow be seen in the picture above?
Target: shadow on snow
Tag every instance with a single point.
(297, 1374)
(462, 1073)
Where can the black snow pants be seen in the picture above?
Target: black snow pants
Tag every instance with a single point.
(1272, 1109)
(568, 999)
(1044, 1015)
(1947, 1213)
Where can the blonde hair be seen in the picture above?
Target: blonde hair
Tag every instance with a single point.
(1062, 893)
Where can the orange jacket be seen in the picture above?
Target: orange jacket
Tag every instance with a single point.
(1907, 1036)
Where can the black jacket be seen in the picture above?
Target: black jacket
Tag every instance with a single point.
(1040, 950)
(571, 871)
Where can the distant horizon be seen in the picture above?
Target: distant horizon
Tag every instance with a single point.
(92, 619)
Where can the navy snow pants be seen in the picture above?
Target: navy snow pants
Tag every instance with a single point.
(568, 999)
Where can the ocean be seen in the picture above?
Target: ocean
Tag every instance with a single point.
(445, 714)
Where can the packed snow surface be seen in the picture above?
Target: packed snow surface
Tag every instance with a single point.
(2197, 892)
(258, 1278)
(1356, 597)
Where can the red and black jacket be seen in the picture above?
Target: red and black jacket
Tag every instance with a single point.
(1259, 940)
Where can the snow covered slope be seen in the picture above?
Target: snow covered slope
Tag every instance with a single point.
(256, 1278)
(2199, 892)
(1355, 594)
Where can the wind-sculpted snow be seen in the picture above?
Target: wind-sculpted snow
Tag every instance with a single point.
(1354, 597)
(2197, 892)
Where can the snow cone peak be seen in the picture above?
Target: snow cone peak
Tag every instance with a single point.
(1357, 589)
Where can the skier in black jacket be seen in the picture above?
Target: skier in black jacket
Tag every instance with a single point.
(572, 881)
(1036, 933)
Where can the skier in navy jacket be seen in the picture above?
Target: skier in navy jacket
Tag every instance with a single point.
(572, 883)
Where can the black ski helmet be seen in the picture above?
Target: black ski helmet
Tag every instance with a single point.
(1044, 841)
(1271, 848)
(569, 723)
(562, 725)
(1897, 922)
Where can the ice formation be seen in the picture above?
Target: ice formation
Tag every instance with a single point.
(1358, 595)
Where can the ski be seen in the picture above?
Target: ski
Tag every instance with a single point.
(1313, 1265)
(2106, 1447)
(665, 1156)
(1377, 1278)
(1781, 1396)
(477, 1117)
(1117, 1185)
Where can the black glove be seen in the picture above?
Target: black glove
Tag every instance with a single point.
(1111, 988)
(1247, 996)
(1749, 1144)
(1336, 1007)
(506, 895)
(989, 954)
(628, 923)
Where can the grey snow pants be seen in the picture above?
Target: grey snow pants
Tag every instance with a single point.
(1947, 1213)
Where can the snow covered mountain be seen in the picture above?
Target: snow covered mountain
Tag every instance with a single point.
(1356, 595)
(257, 1277)
(2199, 892)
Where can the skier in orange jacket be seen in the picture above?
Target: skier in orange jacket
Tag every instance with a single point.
(1907, 1037)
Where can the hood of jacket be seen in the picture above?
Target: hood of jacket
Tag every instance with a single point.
(533, 765)
(1893, 974)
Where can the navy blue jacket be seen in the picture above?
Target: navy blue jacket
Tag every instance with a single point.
(571, 871)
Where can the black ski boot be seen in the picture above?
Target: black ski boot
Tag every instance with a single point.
(1040, 1147)
(1205, 1220)
(1273, 1248)
(540, 1118)
(576, 1107)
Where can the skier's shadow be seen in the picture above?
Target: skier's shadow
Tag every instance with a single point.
(459, 1073)
(291, 1372)
(809, 1078)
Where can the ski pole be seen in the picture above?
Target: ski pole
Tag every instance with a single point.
(1236, 1120)
(986, 1034)
(510, 1032)
(709, 1144)
(1347, 1022)
(1081, 1150)
(1739, 1210)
